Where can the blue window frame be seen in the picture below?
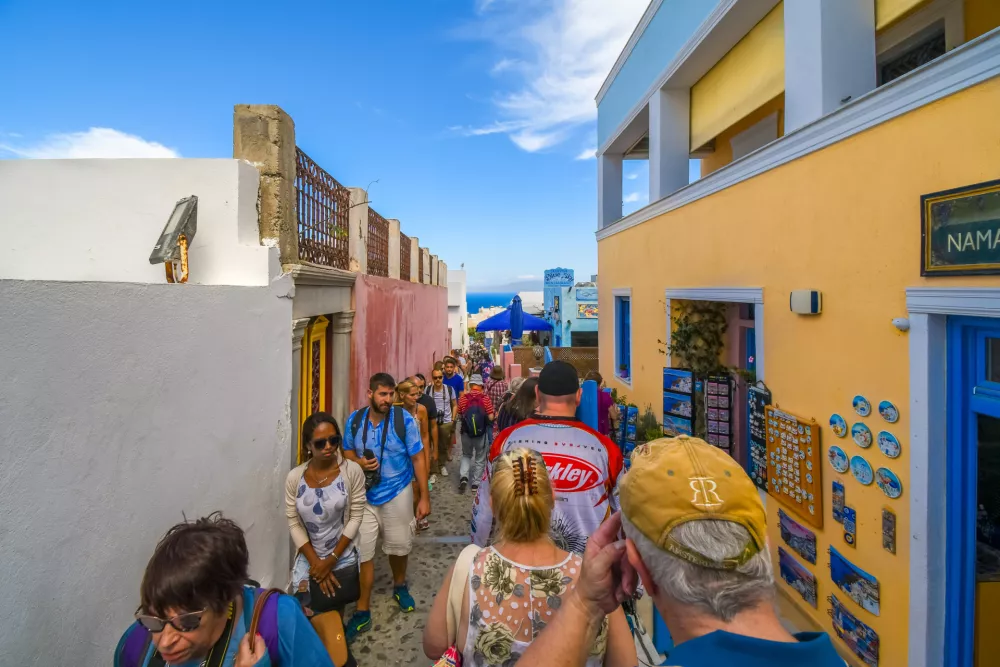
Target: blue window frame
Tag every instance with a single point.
(973, 396)
(623, 337)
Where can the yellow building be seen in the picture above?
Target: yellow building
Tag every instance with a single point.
(820, 126)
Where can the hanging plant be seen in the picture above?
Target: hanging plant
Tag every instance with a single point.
(697, 342)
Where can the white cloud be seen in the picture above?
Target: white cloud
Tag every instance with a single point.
(634, 197)
(588, 154)
(632, 177)
(97, 142)
(565, 49)
(503, 65)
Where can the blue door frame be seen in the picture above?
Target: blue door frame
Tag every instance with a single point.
(970, 393)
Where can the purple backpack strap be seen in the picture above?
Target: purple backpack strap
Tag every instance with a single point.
(134, 646)
(268, 626)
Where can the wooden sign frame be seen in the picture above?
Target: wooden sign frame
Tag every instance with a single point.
(794, 456)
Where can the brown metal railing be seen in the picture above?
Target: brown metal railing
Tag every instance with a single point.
(378, 244)
(404, 256)
(323, 206)
(420, 267)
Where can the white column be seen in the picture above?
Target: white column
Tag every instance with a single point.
(609, 189)
(298, 331)
(394, 249)
(829, 56)
(342, 325)
(669, 136)
(357, 227)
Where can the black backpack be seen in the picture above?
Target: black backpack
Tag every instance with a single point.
(397, 421)
(474, 418)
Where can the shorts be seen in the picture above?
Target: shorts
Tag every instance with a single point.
(394, 520)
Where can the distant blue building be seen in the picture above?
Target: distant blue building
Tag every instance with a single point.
(571, 309)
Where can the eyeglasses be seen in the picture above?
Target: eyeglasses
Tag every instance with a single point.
(188, 622)
(437, 377)
(321, 443)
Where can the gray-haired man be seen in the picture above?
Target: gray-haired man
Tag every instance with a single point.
(696, 537)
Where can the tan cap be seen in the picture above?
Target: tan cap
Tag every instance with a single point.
(676, 480)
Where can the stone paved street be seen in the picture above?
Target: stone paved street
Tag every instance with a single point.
(395, 638)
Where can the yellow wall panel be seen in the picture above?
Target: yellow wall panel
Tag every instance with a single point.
(889, 11)
(981, 16)
(723, 153)
(752, 73)
(844, 220)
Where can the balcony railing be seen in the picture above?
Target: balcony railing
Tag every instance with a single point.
(404, 256)
(378, 244)
(323, 206)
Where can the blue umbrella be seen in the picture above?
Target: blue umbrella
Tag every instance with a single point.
(501, 322)
(516, 319)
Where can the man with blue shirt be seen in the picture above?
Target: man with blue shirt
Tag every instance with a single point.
(385, 441)
(452, 377)
(696, 537)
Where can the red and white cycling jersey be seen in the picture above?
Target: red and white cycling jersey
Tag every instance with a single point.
(584, 469)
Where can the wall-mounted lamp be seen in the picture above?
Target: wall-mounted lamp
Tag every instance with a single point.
(806, 302)
(901, 323)
(172, 247)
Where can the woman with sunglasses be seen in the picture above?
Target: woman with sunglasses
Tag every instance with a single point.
(324, 503)
(195, 609)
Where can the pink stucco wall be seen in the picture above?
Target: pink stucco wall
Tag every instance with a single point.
(400, 328)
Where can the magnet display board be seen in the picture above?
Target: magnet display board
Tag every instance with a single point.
(794, 469)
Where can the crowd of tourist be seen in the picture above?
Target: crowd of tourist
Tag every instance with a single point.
(561, 538)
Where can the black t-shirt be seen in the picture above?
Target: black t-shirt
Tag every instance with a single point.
(428, 402)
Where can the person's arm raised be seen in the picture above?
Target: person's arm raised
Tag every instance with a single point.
(606, 580)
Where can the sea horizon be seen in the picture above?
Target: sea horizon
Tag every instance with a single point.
(476, 300)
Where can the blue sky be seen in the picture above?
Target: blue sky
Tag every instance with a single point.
(475, 116)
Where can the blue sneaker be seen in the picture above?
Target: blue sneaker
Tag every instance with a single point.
(403, 598)
(360, 622)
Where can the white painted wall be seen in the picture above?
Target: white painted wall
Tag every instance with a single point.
(123, 406)
(98, 220)
(458, 315)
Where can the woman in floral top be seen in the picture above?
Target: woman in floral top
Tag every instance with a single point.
(514, 587)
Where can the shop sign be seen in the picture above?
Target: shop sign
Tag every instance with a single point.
(960, 231)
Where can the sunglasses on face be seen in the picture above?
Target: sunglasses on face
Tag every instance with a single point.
(188, 622)
(321, 443)
(437, 377)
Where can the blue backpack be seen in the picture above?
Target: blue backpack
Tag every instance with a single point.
(137, 641)
(474, 418)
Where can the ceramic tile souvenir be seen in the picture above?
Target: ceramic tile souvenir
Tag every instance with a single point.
(679, 405)
(838, 501)
(838, 458)
(888, 444)
(676, 425)
(861, 435)
(862, 470)
(888, 530)
(838, 426)
(798, 537)
(850, 516)
(677, 380)
(860, 586)
(888, 412)
(862, 406)
(860, 638)
(796, 576)
(887, 481)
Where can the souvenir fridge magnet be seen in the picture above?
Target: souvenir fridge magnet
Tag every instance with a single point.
(855, 582)
(850, 516)
(838, 458)
(798, 577)
(862, 406)
(862, 470)
(888, 412)
(887, 481)
(861, 435)
(860, 638)
(839, 497)
(798, 537)
(838, 426)
(888, 444)
(888, 530)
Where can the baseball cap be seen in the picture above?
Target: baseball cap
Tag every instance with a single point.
(676, 480)
(476, 379)
(558, 378)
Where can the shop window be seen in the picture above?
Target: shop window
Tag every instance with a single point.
(920, 54)
(993, 359)
(623, 337)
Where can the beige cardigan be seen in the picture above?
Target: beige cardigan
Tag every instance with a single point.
(354, 478)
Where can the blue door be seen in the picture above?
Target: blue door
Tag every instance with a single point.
(973, 492)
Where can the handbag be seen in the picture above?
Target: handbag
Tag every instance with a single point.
(349, 590)
(456, 592)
